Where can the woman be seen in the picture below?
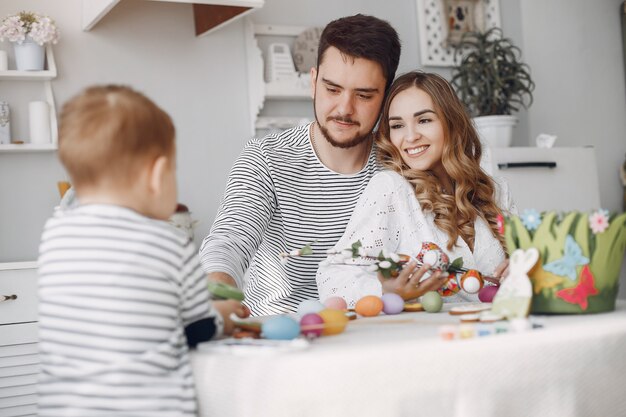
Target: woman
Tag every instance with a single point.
(432, 189)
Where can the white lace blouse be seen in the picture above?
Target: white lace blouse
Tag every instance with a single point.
(388, 216)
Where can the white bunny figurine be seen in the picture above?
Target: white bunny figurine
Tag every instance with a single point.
(515, 294)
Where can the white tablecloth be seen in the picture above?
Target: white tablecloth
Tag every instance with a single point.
(574, 366)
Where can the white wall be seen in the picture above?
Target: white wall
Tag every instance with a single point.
(151, 46)
(201, 82)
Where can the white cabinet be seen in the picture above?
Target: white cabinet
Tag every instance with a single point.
(45, 77)
(561, 179)
(19, 361)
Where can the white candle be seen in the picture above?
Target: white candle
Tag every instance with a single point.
(4, 62)
(39, 121)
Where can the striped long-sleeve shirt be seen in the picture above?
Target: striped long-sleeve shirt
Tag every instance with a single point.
(120, 298)
(280, 197)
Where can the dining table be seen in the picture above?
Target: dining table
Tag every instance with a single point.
(424, 364)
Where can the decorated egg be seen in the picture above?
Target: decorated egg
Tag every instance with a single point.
(471, 281)
(432, 302)
(450, 286)
(312, 325)
(309, 306)
(392, 303)
(280, 328)
(431, 254)
(335, 321)
(487, 293)
(336, 303)
(369, 306)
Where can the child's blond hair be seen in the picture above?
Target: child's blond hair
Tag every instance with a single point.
(107, 133)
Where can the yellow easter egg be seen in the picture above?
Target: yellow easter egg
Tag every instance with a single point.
(369, 306)
(335, 321)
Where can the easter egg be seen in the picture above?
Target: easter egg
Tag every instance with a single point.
(450, 286)
(432, 302)
(336, 303)
(312, 325)
(309, 306)
(335, 321)
(280, 328)
(431, 254)
(471, 281)
(369, 306)
(392, 303)
(487, 293)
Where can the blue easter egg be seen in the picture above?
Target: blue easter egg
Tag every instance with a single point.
(280, 328)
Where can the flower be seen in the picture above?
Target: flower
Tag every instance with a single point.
(40, 29)
(531, 219)
(599, 221)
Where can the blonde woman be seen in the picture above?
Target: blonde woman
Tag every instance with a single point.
(431, 189)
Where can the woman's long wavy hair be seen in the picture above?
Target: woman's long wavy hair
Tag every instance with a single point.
(474, 190)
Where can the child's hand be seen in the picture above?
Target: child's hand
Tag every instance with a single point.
(226, 308)
(407, 284)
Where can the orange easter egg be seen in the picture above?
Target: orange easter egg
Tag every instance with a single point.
(335, 321)
(369, 306)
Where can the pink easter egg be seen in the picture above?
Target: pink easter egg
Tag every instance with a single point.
(487, 293)
(336, 303)
(312, 325)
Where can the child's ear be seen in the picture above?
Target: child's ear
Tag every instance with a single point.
(157, 174)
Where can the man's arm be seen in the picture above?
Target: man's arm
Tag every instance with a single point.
(242, 219)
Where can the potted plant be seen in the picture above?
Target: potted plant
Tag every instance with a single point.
(492, 82)
(29, 32)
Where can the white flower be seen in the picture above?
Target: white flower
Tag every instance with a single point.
(394, 257)
(372, 268)
(295, 252)
(384, 264)
(40, 29)
(346, 253)
(362, 251)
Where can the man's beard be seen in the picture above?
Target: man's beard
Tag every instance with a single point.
(355, 141)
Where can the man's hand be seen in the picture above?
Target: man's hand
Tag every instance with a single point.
(222, 277)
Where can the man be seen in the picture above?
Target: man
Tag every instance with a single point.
(300, 186)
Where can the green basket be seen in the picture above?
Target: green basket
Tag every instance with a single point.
(579, 266)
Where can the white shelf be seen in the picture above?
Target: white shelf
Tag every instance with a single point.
(28, 147)
(7, 266)
(95, 10)
(14, 75)
(296, 88)
(46, 77)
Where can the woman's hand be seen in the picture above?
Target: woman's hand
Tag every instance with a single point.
(226, 307)
(502, 271)
(407, 284)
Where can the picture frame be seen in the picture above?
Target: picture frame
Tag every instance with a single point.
(441, 23)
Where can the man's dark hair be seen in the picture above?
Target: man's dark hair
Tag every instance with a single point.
(362, 36)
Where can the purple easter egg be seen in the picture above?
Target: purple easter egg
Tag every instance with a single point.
(487, 293)
(392, 303)
(312, 325)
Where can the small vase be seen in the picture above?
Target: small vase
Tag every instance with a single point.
(29, 55)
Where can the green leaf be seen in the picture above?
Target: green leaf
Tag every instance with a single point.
(457, 263)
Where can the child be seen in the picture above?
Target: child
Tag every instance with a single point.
(432, 189)
(122, 294)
